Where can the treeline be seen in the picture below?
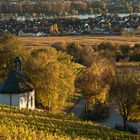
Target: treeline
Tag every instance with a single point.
(64, 8)
(84, 54)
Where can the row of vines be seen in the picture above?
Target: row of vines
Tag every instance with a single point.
(18, 124)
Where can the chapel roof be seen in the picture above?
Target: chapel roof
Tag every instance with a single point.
(17, 82)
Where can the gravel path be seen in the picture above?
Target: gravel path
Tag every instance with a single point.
(79, 108)
(114, 116)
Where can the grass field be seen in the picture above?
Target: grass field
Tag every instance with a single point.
(83, 40)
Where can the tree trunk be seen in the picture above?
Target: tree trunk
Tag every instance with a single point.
(124, 122)
(86, 108)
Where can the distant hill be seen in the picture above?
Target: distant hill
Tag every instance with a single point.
(39, 125)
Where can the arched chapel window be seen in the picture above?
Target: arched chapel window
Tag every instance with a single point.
(31, 101)
(21, 100)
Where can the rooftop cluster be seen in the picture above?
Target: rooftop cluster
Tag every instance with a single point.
(102, 25)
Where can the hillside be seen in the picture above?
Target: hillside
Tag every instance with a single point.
(38, 125)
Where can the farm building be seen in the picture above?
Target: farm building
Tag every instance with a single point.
(17, 90)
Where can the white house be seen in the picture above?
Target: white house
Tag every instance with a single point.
(22, 34)
(17, 90)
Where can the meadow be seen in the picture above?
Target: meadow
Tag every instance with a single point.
(82, 40)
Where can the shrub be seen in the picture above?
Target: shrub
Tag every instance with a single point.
(99, 112)
(125, 49)
(59, 46)
(106, 46)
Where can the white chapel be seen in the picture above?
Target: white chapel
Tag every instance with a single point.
(17, 90)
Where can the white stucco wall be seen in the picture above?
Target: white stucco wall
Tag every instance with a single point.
(24, 100)
(5, 99)
(15, 100)
(31, 104)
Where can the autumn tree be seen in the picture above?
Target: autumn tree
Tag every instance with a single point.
(10, 47)
(54, 29)
(81, 54)
(124, 93)
(90, 10)
(74, 50)
(125, 49)
(59, 46)
(94, 82)
(128, 7)
(53, 74)
(106, 49)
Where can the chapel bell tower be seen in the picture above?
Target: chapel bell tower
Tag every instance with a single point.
(18, 63)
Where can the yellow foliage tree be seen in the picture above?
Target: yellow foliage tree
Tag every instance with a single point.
(53, 74)
(95, 81)
(10, 47)
(54, 29)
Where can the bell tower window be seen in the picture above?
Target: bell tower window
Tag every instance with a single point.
(18, 63)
